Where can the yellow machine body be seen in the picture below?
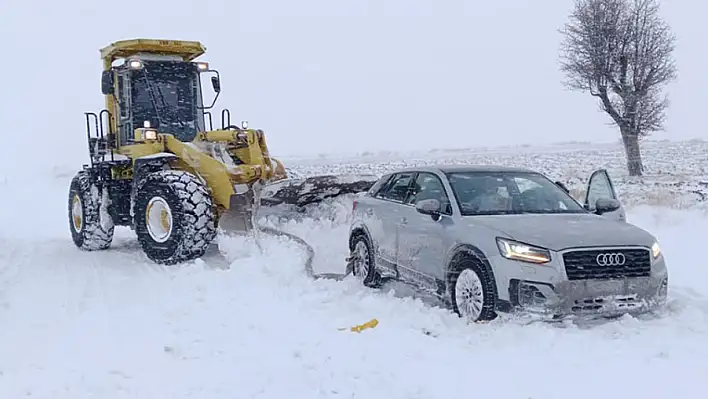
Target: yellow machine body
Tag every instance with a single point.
(247, 145)
(159, 168)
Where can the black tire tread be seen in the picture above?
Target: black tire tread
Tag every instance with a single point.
(373, 280)
(489, 285)
(94, 236)
(194, 215)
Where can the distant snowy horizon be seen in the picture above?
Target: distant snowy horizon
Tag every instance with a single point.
(476, 148)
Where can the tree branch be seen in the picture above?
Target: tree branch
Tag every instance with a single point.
(620, 51)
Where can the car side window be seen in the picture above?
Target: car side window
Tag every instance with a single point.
(397, 189)
(375, 190)
(429, 186)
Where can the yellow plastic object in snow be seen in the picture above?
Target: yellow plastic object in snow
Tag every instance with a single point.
(361, 327)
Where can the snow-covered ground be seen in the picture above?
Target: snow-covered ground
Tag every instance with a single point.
(113, 325)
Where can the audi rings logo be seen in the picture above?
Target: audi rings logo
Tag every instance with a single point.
(610, 259)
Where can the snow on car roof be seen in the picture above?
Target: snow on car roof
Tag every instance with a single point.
(447, 168)
(482, 168)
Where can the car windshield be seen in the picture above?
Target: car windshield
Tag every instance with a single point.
(166, 94)
(501, 193)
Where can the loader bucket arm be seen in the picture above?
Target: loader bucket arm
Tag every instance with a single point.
(239, 189)
(236, 210)
(211, 170)
(260, 166)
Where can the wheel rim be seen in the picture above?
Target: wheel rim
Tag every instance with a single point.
(158, 219)
(361, 265)
(77, 213)
(469, 294)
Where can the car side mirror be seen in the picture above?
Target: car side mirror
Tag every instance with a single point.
(107, 82)
(429, 207)
(605, 205)
(216, 84)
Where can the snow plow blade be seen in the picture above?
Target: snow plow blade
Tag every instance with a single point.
(239, 217)
(244, 207)
(304, 191)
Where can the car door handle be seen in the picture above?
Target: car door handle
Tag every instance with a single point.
(404, 221)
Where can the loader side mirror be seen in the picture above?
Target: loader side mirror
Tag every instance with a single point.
(216, 84)
(107, 82)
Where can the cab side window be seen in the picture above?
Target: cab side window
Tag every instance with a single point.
(397, 188)
(122, 103)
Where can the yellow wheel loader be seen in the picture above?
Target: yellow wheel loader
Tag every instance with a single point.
(158, 166)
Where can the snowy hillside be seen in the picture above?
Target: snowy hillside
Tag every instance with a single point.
(113, 325)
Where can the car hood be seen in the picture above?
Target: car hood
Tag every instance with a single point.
(561, 231)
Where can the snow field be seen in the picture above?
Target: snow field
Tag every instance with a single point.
(676, 173)
(114, 325)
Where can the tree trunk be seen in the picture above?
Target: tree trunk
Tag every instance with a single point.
(633, 153)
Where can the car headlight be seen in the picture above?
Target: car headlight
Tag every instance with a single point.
(655, 250)
(523, 252)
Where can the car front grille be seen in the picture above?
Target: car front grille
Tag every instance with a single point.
(583, 265)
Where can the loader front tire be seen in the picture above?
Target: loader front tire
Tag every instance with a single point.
(89, 223)
(173, 216)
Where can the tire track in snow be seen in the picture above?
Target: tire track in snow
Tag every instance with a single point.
(9, 271)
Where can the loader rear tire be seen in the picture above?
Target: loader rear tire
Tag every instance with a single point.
(90, 225)
(173, 216)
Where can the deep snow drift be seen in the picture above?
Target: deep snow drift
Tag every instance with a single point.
(113, 325)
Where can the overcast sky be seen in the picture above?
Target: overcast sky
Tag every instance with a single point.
(323, 76)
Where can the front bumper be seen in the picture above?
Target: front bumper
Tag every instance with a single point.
(589, 297)
(548, 290)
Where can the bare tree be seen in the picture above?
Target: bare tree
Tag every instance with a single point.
(620, 51)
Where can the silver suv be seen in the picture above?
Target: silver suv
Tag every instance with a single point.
(487, 239)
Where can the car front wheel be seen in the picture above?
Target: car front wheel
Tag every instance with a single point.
(472, 292)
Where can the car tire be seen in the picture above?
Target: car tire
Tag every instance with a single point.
(472, 281)
(364, 265)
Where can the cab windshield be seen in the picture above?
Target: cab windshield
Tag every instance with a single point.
(501, 193)
(167, 94)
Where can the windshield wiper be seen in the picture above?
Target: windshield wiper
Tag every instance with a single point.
(152, 97)
(491, 213)
(170, 111)
(551, 211)
(159, 109)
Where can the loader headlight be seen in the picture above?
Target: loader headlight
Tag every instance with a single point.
(655, 250)
(150, 134)
(202, 66)
(135, 64)
(523, 252)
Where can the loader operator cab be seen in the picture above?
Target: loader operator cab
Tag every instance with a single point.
(158, 92)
